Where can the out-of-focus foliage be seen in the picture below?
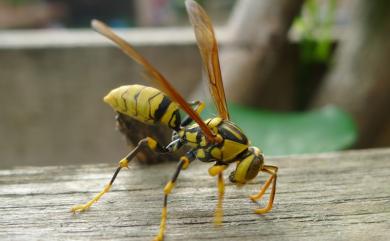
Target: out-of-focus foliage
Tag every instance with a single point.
(314, 27)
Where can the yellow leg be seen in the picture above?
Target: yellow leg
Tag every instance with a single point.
(272, 179)
(221, 191)
(216, 169)
(213, 171)
(123, 163)
(262, 190)
(184, 162)
(82, 208)
(163, 223)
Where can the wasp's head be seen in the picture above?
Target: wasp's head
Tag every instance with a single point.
(249, 164)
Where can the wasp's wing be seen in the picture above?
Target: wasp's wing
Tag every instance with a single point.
(209, 51)
(156, 76)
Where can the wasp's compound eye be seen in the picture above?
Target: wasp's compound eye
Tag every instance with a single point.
(231, 177)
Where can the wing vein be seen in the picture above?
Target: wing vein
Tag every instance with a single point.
(157, 77)
(208, 49)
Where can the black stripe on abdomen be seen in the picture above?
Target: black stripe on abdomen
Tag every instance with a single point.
(162, 108)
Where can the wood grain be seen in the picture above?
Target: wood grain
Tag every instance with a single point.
(339, 196)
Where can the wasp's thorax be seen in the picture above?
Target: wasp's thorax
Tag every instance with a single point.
(233, 141)
(146, 104)
(234, 147)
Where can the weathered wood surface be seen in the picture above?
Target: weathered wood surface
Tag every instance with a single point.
(340, 196)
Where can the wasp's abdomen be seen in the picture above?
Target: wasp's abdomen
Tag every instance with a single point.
(146, 104)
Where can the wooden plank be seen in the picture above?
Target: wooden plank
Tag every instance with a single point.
(339, 196)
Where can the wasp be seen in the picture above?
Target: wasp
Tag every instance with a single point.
(216, 140)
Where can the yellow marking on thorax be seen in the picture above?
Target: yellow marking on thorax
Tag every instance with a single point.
(231, 149)
(191, 136)
(234, 132)
(214, 122)
(203, 141)
(200, 153)
(216, 153)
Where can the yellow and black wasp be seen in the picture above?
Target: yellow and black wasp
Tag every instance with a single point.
(216, 140)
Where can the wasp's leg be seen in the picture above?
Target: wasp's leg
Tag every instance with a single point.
(183, 164)
(272, 170)
(123, 163)
(213, 171)
(218, 216)
(200, 105)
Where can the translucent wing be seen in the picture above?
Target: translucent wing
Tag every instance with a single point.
(156, 76)
(209, 51)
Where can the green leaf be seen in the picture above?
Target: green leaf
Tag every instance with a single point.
(278, 133)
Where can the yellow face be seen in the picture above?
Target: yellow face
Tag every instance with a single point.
(248, 166)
